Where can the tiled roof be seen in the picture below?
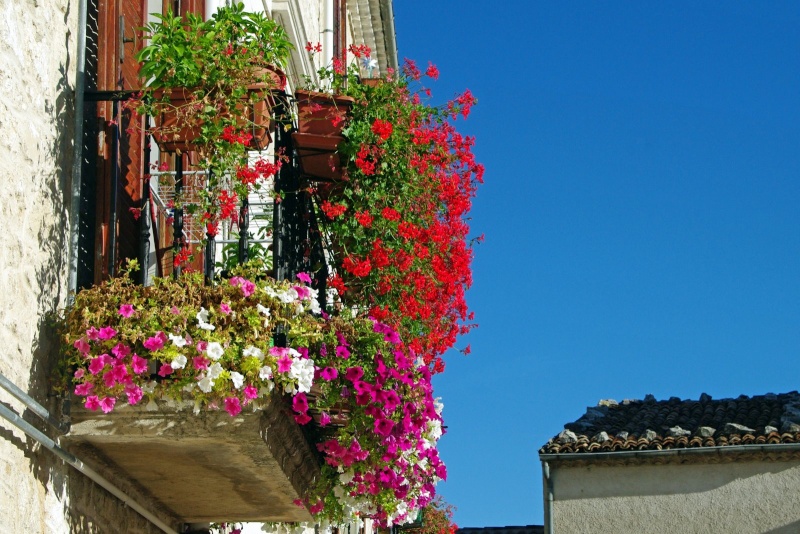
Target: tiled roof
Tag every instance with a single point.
(673, 424)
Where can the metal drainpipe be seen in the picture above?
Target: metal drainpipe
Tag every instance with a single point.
(77, 151)
(51, 445)
(13, 418)
(548, 498)
(327, 32)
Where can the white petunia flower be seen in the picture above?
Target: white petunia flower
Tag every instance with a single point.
(214, 371)
(178, 341)
(149, 387)
(179, 362)
(265, 373)
(214, 350)
(253, 351)
(237, 379)
(205, 384)
(202, 320)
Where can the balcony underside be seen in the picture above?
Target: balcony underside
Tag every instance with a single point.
(206, 467)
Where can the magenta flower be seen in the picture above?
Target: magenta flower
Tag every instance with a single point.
(174, 310)
(109, 379)
(233, 406)
(93, 334)
(354, 373)
(134, 394)
(165, 370)
(329, 373)
(92, 403)
(82, 345)
(202, 346)
(300, 403)
(383, 427)
(284, 363)
(324, 419)
(251, 392)
(79, 373)
(84, 389)
(200, 363)
(302, 418)
(107, 333)
(224, 308)
(97, 364)
(303, 293)
(247, 287)
(138, 364)
(126, 310)
(303, 277)
(342, 352)
(155, 342)
(120, 350)
(107, 404)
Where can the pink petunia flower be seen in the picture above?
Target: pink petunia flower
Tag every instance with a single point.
(233, 406)
(92, 403)
(97, 364)
(200, 363)
(79, 373)
(84, 389)
(138, 364)
(303, 277)
(302, 418)
(300, 403)
(134, 394)
(354, 373)
(93, 334)
(165, 370)
(82, 345)
(107, 404)
(383, 427)
(107, 333)
(329, 373)
(284, 363)
(224, 308)
(251, 392)
(324, 419)
(342, 352)
(121, 350)
(155, 342)
(126, 310)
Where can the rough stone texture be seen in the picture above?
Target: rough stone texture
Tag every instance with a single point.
(257, 462)
(757, 497)
(36, 68)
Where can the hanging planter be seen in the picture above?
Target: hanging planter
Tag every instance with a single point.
(320, 119)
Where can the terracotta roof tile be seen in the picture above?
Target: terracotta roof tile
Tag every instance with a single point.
(676, 423)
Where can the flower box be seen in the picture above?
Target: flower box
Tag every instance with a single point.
(207, 466)
(176, 129)
(321, 113)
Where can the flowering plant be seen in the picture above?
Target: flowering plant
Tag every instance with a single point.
(208, 85)
(369, 395)
(397, 219)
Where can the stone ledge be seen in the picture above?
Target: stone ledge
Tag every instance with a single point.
(206, 467)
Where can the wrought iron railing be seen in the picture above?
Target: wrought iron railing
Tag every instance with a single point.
(295, 241)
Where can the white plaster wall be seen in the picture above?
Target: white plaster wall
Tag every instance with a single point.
(37, 64)
(760, 497)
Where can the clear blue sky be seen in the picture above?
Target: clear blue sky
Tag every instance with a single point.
(641, 212)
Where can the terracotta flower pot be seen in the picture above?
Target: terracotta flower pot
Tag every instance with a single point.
(176, 129)
(318, 157)
(321, 113)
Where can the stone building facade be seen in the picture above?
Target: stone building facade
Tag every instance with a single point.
(39, 51)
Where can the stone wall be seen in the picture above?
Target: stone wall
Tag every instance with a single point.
(37, 65)
(40, 494)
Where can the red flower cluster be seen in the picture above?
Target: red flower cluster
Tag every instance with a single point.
(382, 129)
(231, 135)
(412, 176)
